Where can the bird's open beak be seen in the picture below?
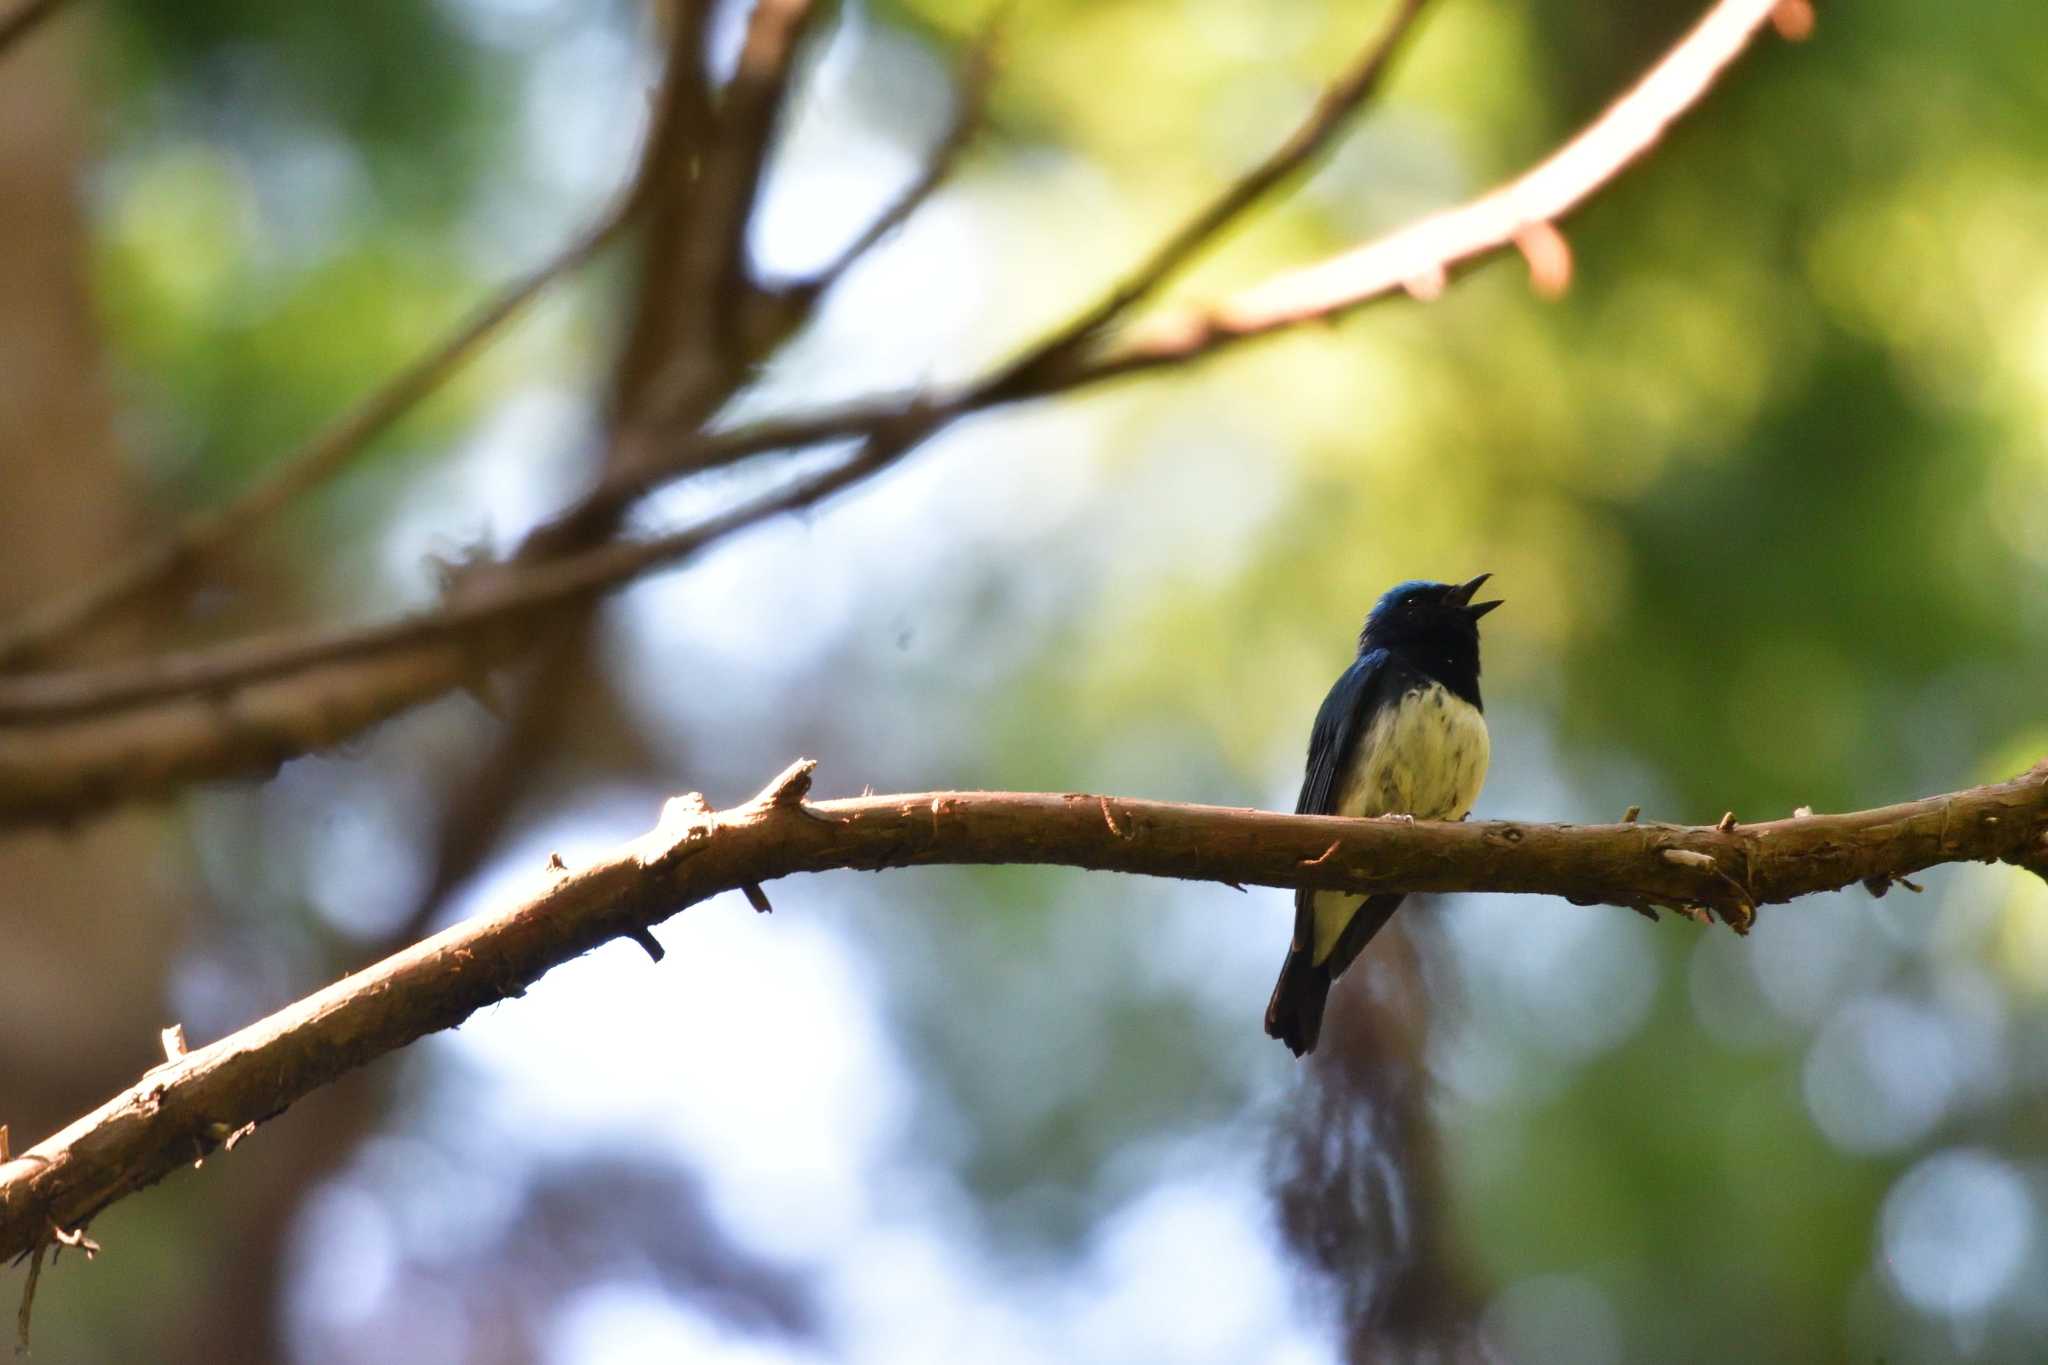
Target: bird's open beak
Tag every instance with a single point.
(1462, 596)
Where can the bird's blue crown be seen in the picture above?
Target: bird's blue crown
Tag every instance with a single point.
(1435, 627)
(1420, 609)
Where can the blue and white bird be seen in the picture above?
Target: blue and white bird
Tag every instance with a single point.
(1401, 733)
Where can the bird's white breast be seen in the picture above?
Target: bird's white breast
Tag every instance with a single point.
(1423, 756)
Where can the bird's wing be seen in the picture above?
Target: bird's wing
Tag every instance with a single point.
(1344, 719)
(1346, 715)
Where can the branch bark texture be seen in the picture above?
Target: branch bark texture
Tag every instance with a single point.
(202, 1100)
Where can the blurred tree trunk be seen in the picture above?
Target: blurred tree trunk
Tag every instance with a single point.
(87, 916)
(93, 919)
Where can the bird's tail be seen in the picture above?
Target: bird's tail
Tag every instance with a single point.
(1295, 1013)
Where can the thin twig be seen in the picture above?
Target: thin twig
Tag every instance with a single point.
(970, 107)
(36, 629)
(1432, 247)
(1331, 115)
(153, 1128)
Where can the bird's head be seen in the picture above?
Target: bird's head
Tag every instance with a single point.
(1426, 614)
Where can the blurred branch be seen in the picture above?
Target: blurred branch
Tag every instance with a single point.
(676, 129)
(1343, 98)
(292, 696)
(1029, 374)
(885, 423)
(1417, 258)
(772, 34)
(714, 289)
(24, 19)
(1521, 214)
(55, 773)
(970, 107)
(484, 597)
(73, 741)
(558, 689)
(193, 1104)
(313, 464)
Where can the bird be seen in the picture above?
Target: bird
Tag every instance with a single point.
(1402, 732)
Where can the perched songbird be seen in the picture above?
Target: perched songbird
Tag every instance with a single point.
(1401, 733)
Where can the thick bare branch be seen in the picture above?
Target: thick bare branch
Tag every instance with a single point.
(558, 684)
(190, 1106)
(684, 132)
(55, 773)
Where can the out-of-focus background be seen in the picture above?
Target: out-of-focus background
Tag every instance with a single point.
(1766, 494)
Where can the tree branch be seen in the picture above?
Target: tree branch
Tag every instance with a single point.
(91, 737)
(682, 449)
(560, 687)
(295, 696)
(55, 773)
(746, 122)
(1419, 256)
(64, 615)
(1332, 113)
(970, 107)
(677, 129)
(715, 293)
(193, 1104)
(493, 595)
(24, 19)
(1521, 214)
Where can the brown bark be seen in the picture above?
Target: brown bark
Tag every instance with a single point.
(193, 1106)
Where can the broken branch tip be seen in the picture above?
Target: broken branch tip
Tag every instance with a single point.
(791, 785)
